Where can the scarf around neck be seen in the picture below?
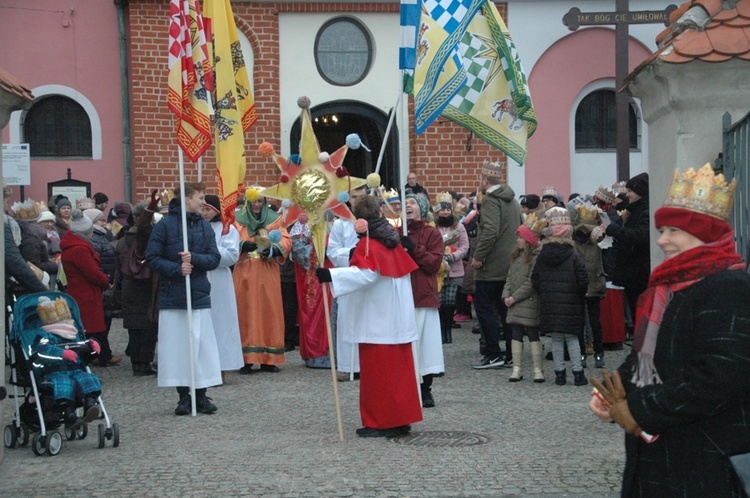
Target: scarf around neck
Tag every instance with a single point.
(255, 222)
(673, 275)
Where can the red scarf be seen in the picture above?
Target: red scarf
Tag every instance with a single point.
(673, 275)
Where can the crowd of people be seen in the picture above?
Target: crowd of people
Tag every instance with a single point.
(530, 266)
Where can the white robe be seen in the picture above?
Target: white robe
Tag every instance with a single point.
(341, 240)
(384, 307)
(174, 349)
(224, 302)
(429, 347)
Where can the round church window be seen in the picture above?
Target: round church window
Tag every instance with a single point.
(343, 51)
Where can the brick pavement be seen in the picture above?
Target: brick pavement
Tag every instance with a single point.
(275, 435)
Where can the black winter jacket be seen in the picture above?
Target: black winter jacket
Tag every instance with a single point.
(106, 252)
(632, 242)
(162, 256)
(559, 276)
(34, 248)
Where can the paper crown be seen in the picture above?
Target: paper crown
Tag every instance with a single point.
(605, 195)
(587, 213)
(549, 192)
(53, 311)
(27, 210)
(444, 197)
(702, 192)
(492, 169)
(166, 196)
(619, 188)
(85, 203)
(535, 224)
(558, 216)
(389, 195)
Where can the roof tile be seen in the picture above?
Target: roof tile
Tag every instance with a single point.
(693, 44)
(743, 8)
(728, 45)
(12, 85)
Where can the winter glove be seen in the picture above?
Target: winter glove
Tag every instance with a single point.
(449, 258)
(70, 355)
(408, 244)
(265, 253)
(95, 347)
(324, 275)
(154, 201)
(248, 246)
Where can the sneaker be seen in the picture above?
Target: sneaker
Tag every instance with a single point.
(461, 318)
(599, 361)
(204, 405)
(184, 406)
(490, 362)
(508, 363)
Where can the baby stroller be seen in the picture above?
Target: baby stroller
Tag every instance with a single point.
(39, 414)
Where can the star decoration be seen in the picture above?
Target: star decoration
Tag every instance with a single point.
(313, 183)
(490, 53)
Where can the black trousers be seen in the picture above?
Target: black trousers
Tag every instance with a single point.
(142, 345)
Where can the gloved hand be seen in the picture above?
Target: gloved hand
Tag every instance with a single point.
(449, 258)
(70, 355)
(324, 275)
(408, 244)
(265, 253)
(248, 246)
(95, 346)
(154, 200)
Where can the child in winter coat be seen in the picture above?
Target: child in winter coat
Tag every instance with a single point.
(560, 278)
(523, 302)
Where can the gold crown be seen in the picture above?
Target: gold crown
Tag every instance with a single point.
(587, 213)
(390, 195)
(444, 197)
(28, 210)
(605, 195)
(701, 191)
(85, 203)
(53, 311)
(166, 196)
(533, 223)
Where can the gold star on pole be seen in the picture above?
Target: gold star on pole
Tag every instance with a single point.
(319, 183)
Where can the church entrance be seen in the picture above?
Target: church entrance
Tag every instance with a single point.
(333, 121)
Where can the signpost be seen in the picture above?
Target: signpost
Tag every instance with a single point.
(621, 18)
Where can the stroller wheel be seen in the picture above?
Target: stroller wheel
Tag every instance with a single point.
(23, 435)
(53, 444)
(115, 435)
(9, 436)
(83, 430)
(38, 444)
(70, 434)
(101, 436)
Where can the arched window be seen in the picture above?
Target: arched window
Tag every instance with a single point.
(57, 127)
(595, 122)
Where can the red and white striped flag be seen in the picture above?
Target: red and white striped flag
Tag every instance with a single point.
(190, 78)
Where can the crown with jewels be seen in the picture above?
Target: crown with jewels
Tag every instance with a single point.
(549, 192)
(701, 191)
(605, 195)
(619, 188)
(587, 213)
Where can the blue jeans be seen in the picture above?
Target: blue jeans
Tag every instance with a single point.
(488, 304)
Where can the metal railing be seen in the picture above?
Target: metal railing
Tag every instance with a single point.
(736, 164)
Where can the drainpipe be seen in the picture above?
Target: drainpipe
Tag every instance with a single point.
(125, 97)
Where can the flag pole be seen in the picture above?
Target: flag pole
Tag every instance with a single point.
(387, 133)
(331, 352)
(188, 293)
(403, 114)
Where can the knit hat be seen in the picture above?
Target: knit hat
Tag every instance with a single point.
(639, 184)
(705, 227)
(64, 202)
(85, 203)
(527, 234)
(100, 198)
(79, 223)
(424, 204)
(122, 209)
(213, 202)
(138, 209)
(93, 214)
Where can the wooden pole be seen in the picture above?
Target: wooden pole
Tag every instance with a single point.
(331, 353)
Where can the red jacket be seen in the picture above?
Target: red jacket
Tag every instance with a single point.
(428, 255)
(86, 281)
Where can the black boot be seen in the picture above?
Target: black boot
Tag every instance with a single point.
(203, 403)
(426, 389)
(579, 378)
(560, 379)
(446, 321)
(185, 405)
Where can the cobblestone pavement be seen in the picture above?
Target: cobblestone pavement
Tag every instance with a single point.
(275, 435)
